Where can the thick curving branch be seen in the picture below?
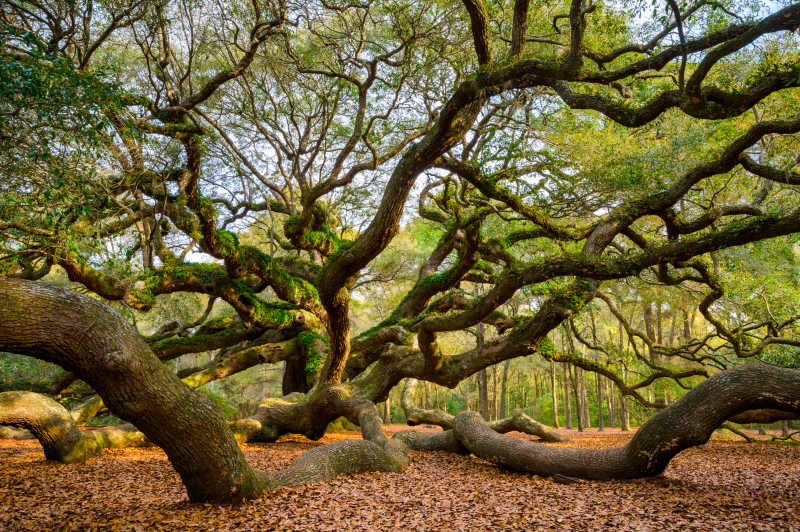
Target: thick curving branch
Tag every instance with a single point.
(53, 426)
(688, 422)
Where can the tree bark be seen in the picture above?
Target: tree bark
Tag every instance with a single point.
(483, 395)
(495, 411)
(601, 422)
(612, 410)
(576, 390)
(87, 337)
(294, 376)
(587, 422)
(624, 418)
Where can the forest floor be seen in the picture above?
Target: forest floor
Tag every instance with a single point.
(723, 485)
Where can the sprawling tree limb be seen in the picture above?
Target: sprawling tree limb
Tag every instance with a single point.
(49, 422)
(518, 421)
(688, 422)
(269, 353)
(53, 426)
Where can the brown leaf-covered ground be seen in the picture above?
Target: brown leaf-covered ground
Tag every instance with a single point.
(724, 485)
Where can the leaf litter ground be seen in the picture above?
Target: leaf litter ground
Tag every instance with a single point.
(723, 485)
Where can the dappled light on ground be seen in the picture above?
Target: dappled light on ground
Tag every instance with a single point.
(724, 485)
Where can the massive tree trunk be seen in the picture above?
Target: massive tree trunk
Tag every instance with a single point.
(295, 376)
(688, 422)
(88, 338)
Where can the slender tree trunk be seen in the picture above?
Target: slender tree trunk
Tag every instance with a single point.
(524, 396)
(625, 415)
(494, 407)
(554, 393)
(483, 395)
(581, 375)
(577, 394)
(599, 384)
(504, 390)
(623, 405)
(612, 411)
(567, 409)
(387, 411)
(483, 380)
(601, 422)
(659, 334)
(674, 318)
(650, 328)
